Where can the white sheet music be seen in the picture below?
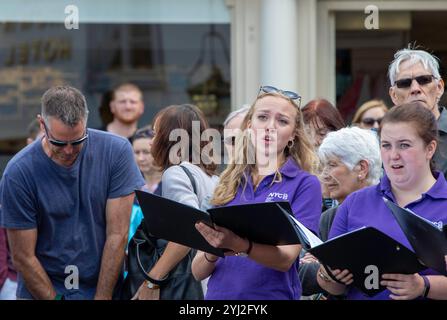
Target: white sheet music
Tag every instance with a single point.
(313, 239)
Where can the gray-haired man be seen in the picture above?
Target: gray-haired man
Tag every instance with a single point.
(414, 76)
(66, 200)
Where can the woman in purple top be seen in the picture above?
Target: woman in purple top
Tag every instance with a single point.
(274, 137)
(408, 135)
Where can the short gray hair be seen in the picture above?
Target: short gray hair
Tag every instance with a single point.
(351, 145)
(235, 113)
(66, 104)
(429, 61)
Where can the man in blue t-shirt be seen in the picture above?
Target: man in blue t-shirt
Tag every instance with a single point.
(65, 202)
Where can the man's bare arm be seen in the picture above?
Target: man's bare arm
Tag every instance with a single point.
(117, 218)
(23, 252)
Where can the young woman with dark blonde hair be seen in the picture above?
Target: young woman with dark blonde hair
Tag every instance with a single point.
(273, 160)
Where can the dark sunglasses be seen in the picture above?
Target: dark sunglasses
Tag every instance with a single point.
(59, 143)
(144, 133)
(289, 94)
(371, 121)
(422, 80)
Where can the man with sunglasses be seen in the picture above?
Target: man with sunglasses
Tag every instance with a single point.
(414, 76)
(66, 200)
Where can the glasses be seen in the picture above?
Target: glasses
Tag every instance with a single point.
(371, 121)
(289, 94)
(59, 143)
(144, 133)
(421, 80)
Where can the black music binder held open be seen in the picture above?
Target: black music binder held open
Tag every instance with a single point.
(266, 223)
(273, 223)
(366, 253)
(428, 241)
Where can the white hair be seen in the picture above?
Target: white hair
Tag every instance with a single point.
(350, 146)
(429, 61)
(235, 113)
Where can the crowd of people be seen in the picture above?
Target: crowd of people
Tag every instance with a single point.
(68, 210)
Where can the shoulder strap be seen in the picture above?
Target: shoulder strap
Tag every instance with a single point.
(191, 178)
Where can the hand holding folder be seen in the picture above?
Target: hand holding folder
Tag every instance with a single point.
(368, 254)
(273, 223)
(268, 223)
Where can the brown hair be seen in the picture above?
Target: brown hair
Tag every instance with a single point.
(179, 117)
(325, 111)
(235, 174)
(420, 117)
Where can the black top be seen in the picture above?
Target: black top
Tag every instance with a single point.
(440, 156)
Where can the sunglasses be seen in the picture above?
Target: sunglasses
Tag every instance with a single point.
(59, 143)
(421, 80)
(144, 133)
(371, 121)
(289, 94)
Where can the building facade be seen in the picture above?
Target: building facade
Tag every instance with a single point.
(214, 53)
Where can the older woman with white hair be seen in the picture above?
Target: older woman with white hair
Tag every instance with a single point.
(351, 160)
(232, 127)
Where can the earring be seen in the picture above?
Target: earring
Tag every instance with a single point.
(289, 144)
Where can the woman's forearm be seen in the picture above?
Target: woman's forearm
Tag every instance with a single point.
(438, 287)
(280, 258)
(202, 266)
(172, 255)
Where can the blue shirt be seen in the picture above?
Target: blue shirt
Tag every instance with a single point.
(244, 279)
(67, 206)
(367, 208)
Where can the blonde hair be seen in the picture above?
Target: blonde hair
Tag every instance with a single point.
(365, 107)
(239, 167)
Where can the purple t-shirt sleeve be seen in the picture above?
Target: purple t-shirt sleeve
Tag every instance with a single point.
(125, 175)
(307, 202)
(18, 209)
(340, 223)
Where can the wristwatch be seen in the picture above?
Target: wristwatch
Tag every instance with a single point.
(151, 285)
(155, 284)
(426, 286)
(323, 276)
(246, 253)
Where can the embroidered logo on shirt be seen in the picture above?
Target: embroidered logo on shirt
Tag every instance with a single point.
(438, 225)
(276, 195)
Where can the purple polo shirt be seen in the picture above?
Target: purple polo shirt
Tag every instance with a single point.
(238, 278)
(367, 208)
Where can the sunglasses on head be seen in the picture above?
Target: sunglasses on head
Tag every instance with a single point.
(421, 80)
(371, 121)
(59, 143)
(289, 94)
(144, 133)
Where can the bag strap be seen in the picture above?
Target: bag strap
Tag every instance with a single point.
(139, 242)
(191, 178)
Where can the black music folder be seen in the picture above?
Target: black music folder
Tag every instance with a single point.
(428, 241)
(364, 252)
(266, 223)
